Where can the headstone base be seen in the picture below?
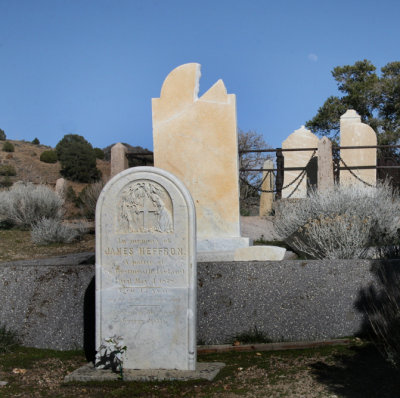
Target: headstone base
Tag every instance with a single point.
(204, 370)
(218, 244)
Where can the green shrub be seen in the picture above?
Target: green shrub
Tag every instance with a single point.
(8, 147)
(2, 135)
(87, 199)
(99, 153)
(35, 141)
(7, 170)
(48, 157)
(49, 230)
(70, 194)
(78, 160)
(6, 182)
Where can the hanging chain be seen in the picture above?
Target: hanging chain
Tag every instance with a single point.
(300, 176)
(355, 175)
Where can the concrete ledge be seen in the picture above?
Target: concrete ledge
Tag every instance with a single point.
(296, 345)
(221, 244)
(204, 370)
(50, 302)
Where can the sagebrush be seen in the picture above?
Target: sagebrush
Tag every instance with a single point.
(341, 222)
(25, 204)
(88, 198)
(8, 147)
(49, 230)
(380, 303)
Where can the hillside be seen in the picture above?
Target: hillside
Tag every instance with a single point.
(26, 160)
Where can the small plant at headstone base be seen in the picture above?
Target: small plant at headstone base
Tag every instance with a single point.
(8, 340)
(109, 355)
(48, 231)
(252, 336)
(339, 223)
(2, 135)
(35, 141)
(8, 147)
(49, 157)
(25, 204)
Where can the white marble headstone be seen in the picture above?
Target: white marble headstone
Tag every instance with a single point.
(146, 269)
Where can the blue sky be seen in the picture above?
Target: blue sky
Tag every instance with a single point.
(91, 67)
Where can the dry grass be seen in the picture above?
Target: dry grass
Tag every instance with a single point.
(26, 160)
(328, 372)
(17, 245)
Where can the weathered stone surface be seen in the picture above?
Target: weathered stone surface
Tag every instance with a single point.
(301, 138)
(146, 269)
(260, 253)
(267, 198)
(325, 164)
(196, 140)
(44, 300)
(119, 161)
(355, 133)
(204, 370)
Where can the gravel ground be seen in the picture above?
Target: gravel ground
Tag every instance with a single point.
(254, 227)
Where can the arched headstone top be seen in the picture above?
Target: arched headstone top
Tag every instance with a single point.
(350, 116)
(301, 138)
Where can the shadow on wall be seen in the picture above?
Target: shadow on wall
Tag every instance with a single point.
(372, 367)
(89, 321)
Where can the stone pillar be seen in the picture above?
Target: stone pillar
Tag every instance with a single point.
(355, 133)
(301, 138)
(196, 140)
(267, 198)
(61, 187)
(119, 162)
(325, 164)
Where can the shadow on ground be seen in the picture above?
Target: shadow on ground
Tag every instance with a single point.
(364, 375)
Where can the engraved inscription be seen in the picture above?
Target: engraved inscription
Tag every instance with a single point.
(145, 207)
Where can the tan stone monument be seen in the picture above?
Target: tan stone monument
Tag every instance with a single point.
(61, 187)
(355, 133)
(196, 140)
(325, 164)
(267, 198)
(301, 138)
(119, 161)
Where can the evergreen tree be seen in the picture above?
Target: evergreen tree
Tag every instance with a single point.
(375, 98)
(77, 158)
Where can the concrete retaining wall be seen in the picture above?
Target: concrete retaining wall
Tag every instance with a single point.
(50, 302)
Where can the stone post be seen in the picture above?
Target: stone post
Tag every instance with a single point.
(61, 187)
(325, 164)
(267, 198)
(119, 161)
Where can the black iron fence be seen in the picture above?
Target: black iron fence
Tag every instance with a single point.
(387, 167)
